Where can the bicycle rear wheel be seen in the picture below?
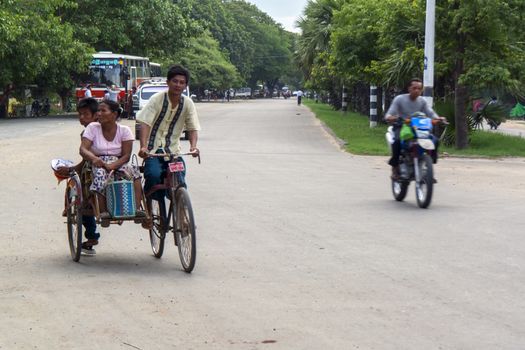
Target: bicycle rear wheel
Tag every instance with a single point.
(157, 232)
(184, 229)
(74, 218)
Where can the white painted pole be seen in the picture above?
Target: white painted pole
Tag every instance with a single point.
(428, 75)
(373, 106)
(344, 100)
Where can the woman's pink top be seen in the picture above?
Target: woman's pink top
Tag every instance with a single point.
(103, 147)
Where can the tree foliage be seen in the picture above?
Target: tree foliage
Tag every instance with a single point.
(479, 47)
(209, 66)
(225, 42)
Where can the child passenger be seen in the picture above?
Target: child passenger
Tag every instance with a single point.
(87, 109)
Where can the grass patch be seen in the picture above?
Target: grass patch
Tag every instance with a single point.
(354, 129)
(491, 144)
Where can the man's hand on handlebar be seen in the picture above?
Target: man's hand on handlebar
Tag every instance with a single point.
(194, 151)
(144, 152)
(442, 120)
(390, 119)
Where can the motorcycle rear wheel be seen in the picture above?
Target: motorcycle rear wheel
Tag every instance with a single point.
(425, 186)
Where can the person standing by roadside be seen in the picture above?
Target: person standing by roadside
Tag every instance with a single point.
(114, 93)
(87, 93)
(299, 96)
(129, 103)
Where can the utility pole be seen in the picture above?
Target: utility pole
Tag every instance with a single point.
(428, 75)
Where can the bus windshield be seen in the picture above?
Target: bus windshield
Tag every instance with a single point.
(105, 72)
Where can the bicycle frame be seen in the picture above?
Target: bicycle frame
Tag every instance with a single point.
(170, 181)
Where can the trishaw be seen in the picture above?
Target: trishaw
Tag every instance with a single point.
(160, 218)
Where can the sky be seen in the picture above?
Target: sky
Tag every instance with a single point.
(285, 12)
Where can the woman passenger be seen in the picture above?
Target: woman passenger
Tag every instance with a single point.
(108, 145)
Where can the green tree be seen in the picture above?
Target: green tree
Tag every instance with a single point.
(313, 51)
(157, 28)
(481, 42)
(36, 46)
(209, 66)
(269, 46)
(214, 16)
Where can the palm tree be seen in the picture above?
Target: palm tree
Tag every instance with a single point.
(316, 27)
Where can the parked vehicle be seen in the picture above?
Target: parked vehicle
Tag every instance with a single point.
(46, 108)
(415, 162)
(35, 108)
(244, 92)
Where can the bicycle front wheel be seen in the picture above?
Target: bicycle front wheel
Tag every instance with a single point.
(74, 218)
(184, 229)
(157, 232)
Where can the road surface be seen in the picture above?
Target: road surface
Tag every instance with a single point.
(300, 246)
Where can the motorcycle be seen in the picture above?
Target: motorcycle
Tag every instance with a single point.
(46, 108)
(415, 161)
(35, 108)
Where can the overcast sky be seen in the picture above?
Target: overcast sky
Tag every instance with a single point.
(285, 12)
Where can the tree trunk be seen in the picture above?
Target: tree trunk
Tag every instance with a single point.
(460, 98)
(460, 101)
(63, 99)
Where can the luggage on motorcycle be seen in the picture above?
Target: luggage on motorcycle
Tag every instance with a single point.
(120, 199)
(406, 133)
(390, 136)
(427, 144)
(422, 126)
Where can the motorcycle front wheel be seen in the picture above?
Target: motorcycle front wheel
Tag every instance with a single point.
(425, 185)
(399, 189)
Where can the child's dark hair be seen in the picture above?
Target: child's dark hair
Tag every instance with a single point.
(88, 102)
(113, 106)
(179, 70)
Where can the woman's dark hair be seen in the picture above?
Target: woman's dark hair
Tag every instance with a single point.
(179, 70)
(88, 102)
(113, 106)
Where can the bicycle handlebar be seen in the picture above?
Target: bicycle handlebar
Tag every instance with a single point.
(162, 155)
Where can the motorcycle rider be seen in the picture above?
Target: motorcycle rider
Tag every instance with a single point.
(46, 107)
(402, 107)
(35, 108)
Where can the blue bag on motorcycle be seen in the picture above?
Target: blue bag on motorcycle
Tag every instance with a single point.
(422, 127)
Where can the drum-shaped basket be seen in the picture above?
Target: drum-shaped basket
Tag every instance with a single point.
(120, 199)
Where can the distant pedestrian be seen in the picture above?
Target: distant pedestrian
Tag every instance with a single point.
(87, 92)
(114, 93)
(299, 97)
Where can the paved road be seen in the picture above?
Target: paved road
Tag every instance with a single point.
(513, 127)
(300, 246)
